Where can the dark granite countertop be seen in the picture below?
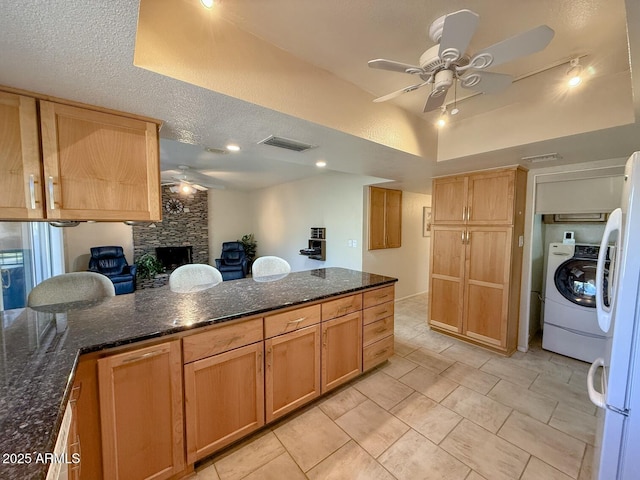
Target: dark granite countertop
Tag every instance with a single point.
(39, 349)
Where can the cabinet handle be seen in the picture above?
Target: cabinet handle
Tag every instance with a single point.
(52, 198)
(462, 237)
(269, 357)
(468, 213)
(259, 362)
(143, 356)
(467, 237)
(381, 352)
(464, 213)
(298, 320)
(381, 330)
(32, 191)
(324, 338)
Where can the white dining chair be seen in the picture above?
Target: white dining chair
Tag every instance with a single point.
(71, 287)
(194, 277)
(270, 268)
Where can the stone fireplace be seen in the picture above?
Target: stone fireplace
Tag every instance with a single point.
(183, 234)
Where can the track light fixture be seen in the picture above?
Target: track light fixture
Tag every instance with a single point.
(575, 72)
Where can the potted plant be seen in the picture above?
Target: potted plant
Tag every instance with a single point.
(148, 266)
(250, 245)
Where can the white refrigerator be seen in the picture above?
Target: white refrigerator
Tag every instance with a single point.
(617, 449)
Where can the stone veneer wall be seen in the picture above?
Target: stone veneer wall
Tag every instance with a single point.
(190, 227)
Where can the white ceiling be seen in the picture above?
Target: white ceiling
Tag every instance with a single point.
(83, 51)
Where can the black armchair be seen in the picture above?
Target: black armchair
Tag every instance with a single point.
(110, 261)
(234, 263)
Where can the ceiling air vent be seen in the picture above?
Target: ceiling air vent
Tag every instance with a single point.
(287, 143)
(217, 151)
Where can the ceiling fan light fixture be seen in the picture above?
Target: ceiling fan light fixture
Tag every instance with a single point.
(442, 119)
(207, 3)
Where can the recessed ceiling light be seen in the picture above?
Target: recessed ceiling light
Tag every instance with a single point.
(207, 3)
(233, 148)
(321, 163)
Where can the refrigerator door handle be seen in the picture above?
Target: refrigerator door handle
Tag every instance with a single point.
(597, 398)
(614, 224)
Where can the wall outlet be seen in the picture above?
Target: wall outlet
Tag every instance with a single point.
(354, 243)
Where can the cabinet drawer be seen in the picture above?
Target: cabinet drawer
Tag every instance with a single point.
(291, 320)
(341, 306)
(377, 312)
(377, 352)
(221, 339)
(378, 296)
(377, 330)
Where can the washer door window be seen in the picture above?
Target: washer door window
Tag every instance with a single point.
(575, 279)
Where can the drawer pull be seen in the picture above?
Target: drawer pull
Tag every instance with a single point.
(381, 352)
(269, 357)
(298, 320)
(381, 296)
(259, 362)
(381, 330)
(143, 356)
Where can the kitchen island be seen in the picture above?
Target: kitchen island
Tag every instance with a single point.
(41, 349)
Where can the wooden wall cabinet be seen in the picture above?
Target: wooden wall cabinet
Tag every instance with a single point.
(141, 413)
(93, 165)
(292, 358)
(224, 392)
(385, 218)
(476, 257)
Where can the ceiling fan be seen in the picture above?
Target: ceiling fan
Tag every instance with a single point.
(187, 180)
(448, 60)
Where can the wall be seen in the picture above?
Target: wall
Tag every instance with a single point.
(231, 215)
(286, 213)
(410, 262)
(79, 240)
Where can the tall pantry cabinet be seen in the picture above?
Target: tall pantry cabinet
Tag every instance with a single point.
(476, 257)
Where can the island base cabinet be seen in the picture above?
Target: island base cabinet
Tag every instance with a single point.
(341, 350)
(292, 370)
(224, 398)
(141, 413)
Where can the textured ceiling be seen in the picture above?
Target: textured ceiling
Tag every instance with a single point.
(84, 51)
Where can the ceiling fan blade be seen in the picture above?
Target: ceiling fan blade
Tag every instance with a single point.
(397, 93)
(434, 102)
(457, 31)
(392, 66)
(520, 45)
(486, 82)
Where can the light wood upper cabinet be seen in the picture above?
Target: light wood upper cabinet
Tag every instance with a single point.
(99, 166)
(484, 198)
(20, 166)
(142, 413)
(385, 218)
(64, 162)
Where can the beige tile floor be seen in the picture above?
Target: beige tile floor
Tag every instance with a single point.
(439, 409)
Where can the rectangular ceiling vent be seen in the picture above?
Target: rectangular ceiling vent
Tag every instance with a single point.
(217, 151)
(287, 143)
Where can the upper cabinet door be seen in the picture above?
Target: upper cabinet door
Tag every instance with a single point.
(99, 166)
(20, 177)
(491, 198)
(385, 218)
(449, 200)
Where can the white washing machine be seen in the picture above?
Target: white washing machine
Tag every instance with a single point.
(570, 322)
